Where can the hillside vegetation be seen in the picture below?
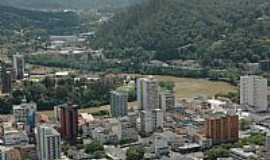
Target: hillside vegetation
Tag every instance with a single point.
(216, 32)
(68, 4)
(20, 29)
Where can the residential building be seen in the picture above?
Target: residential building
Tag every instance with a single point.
(151, 121)
(253, 92)
(48, 143)
(157, 118)
(161, 146)
(6, 79)
(128, 131)
(69, 122)
(241, 154)
(167, 100)
(9, 153)
(15, 137)
(146, 122)
(119, 104)
(148, 93)
(267, 146)
(25, 113)
(222, 128)
(18, 65)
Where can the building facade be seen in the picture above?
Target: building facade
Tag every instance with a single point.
(166, 100)
(253, 92)
(48, 143)
(119, 104)
(6, 79)
(222, 129)
(148, 93)
(18, 65)
(69, 122)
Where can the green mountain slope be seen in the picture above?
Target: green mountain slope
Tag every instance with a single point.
(19, 19)
(62, 4)
(24, 30)
(216, 32)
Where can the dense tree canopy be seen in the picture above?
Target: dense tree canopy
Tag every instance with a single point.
(215, 32)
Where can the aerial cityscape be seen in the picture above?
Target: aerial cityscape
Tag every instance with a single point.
(134, 80)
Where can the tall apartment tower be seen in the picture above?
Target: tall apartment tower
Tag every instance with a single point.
(48, 143)
(148, 93)
(6, 79)
(18, 65)
(119, 104)
(151, 117)
(69, 122)
(253, 92)
(221, 129)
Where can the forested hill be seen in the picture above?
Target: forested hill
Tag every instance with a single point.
(68, 4)
(13, 19)
(217, 32)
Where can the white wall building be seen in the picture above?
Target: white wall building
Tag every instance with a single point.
(253, 92)
(161, 146)
(148, 93)
(21, 112)
(48, 143)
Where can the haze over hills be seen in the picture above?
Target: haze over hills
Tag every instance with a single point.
(215, 32)
(67, 4)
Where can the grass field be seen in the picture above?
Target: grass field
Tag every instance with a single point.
(184, 88)
(189, 87)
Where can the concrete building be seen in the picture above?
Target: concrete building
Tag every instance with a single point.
(48, 143)
(157, 118)
(69, 122)
(253, 92)
(9, 153)
(166, 100)
(146, 122)
(6, 79)
(26, 113)
(267, 145)
(18, 65)
(221, 129)
(161, 146)
(15, 137)
(148, 93)
(128, 131)
(151, 121)
(119, 104)
(241, 154)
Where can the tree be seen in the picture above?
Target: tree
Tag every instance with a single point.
(135, 153)
(245, 124)
(167, 85)
(94, 147)
(214, 153)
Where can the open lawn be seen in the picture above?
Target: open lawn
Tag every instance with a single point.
(189, 87)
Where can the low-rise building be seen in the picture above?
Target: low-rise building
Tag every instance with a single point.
(15, 137)
(241, 154)
(161, 146)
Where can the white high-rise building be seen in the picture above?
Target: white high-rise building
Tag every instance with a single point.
(253, 92)
(157, 118)
(148, 93)
(146, 122)
(48, 143)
